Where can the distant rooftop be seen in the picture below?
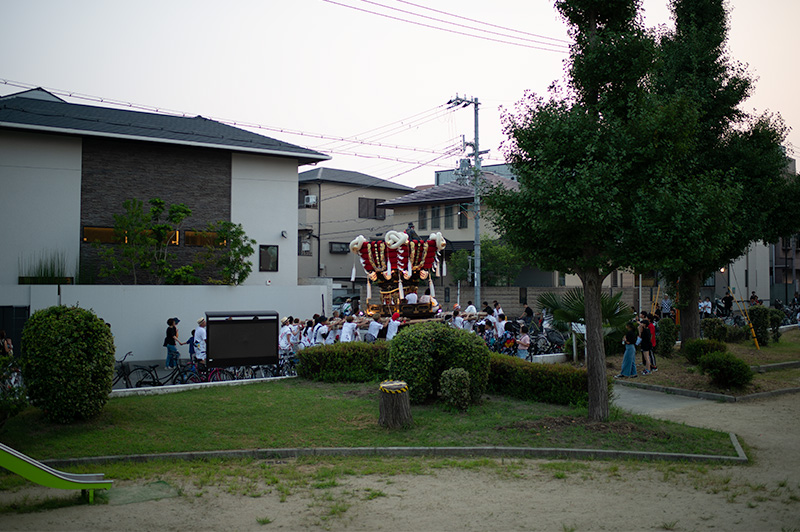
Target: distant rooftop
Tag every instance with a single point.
(349, 177)
(452, 192)
(39, 110)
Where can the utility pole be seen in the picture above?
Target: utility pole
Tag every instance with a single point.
(458, 101)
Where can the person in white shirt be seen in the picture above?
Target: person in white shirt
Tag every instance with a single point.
(321, 331)
(470, 308)
(497, 309)
(375, 327)
(394, 325)
(200, 341)
(411, 298)
(285, 337)
(500, 325)
(349, 330)
(458, 321)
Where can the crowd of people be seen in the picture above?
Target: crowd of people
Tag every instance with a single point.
(642, 334)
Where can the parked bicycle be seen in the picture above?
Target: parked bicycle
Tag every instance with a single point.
(286, 367)
(129, 377)
(545, 341)
(183, 373)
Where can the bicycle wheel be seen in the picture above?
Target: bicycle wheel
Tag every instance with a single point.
(221, 375)
(140, 378)
(245, 372)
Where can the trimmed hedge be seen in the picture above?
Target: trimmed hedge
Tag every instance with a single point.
(421, 352)
(714, 329)
(544, 383)
(344, 362)
(726, 370)
(67, 362)
(695, 348)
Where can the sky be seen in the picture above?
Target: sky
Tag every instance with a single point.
(364, 81)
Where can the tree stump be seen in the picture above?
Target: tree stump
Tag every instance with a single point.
(395, 408)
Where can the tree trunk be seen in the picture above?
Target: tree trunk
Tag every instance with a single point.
(394, 406)
(595, 355)
(688, 295)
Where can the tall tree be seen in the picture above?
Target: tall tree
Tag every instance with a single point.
(736, 164)
(580, 157)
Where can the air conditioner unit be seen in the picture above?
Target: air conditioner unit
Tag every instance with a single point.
(310, 201)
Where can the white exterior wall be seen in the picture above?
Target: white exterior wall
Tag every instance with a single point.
(40, 190)
(264, 201)
(138, 314)
(750, 272)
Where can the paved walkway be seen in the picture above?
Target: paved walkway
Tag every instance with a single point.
(640, 401)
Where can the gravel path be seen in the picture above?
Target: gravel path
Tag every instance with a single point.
(519, 495)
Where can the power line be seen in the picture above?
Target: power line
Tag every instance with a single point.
(447, 29)
(482, 22)
(535, 41)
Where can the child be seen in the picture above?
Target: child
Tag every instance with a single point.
(524, 343)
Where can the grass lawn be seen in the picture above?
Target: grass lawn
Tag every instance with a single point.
(300, 413)
(676, 372)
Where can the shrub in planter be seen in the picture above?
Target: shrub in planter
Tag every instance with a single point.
(695, 348)
(726, 370)
(666, 336)
(421, 352)
(454, 386)
(344, 362)
(67, 362)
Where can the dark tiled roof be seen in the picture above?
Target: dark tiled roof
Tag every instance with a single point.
(35, 111)
(348, 177)
(452, 192)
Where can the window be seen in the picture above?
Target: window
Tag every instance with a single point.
(106, 235)
(268, 258)
(368, 208)
(448, 216)
(339, 247)
(614, 279)
(422, 222)
(304, 245)
(562, 279)
(103, 235)
(199, 238)
(463, 220)
(435, 222)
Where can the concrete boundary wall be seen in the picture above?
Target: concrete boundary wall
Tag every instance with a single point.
(138, 314)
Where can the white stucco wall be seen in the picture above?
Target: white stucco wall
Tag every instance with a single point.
(264, 201)
(138, 314)
(40, 188)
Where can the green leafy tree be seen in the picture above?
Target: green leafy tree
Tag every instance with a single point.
(458, 265)
(734, 171)
(230, 251)
(500, 263)
(579, 159)
(141, 253)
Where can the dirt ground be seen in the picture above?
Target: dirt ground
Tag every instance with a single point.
(525, 495)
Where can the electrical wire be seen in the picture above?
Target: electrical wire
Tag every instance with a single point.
(523, 45)
(535, 41)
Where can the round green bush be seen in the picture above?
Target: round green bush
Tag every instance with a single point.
(695, 348)
(421, 352)
(454, 385)
(666, 336)
(726, 370)
(67, 362)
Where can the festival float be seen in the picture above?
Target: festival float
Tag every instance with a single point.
(399, 266)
